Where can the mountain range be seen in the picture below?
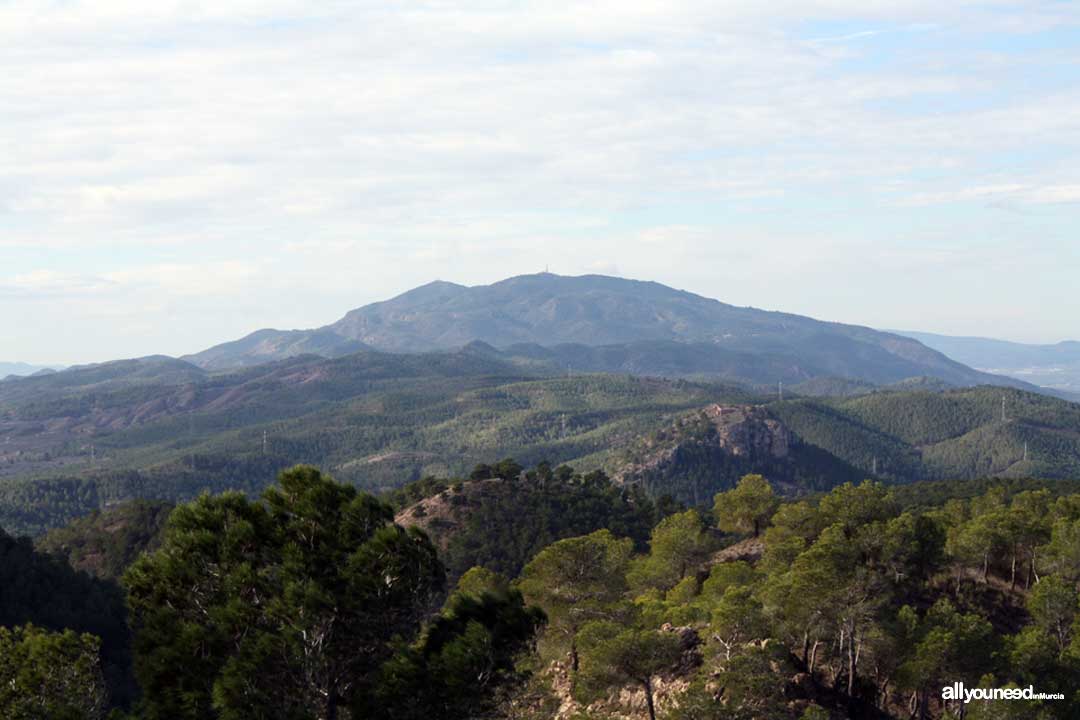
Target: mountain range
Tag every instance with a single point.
(596, 323)
(162, 428)
(656, 386)
(21, 369)
(1054, 366)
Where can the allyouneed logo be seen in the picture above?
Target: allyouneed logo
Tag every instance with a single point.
(957, 691)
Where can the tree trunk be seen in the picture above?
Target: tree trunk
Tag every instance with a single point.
(1012, 572)
(649, 698)
(840, 654)
(853, 662)
(986, 568)
(813, 657)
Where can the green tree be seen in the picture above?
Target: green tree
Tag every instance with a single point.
(281, 608)
(1053, 606)
(677, 546)
(1061, 555)
(945, 646)
(980, 539)
(461, 662)
(737, 618)
(50, 675)
(479, 581)
(855, 506)
(613, 655)
(576, 581)
(912, 547)
(746, 508)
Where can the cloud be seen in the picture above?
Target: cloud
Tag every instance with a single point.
(237, 152)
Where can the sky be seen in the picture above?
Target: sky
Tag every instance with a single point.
(178, 174)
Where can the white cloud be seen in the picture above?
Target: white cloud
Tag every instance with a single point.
(236, 150)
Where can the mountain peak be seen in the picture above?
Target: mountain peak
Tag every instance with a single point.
(610, 324)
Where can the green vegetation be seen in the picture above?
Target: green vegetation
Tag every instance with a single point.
(856, 607)
(312, 602)
(376, 421)
(105, 543)
(468, 518)
(50, 675)
(45, 592)
(904, 436)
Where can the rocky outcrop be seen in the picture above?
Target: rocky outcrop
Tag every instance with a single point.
(749, 431)
(708, 450)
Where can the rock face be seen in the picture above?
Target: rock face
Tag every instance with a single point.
(707, 452)
(748, 431)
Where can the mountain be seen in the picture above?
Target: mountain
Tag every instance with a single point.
(1050, 366)
(160, 428)
(269, 345)
(904, 436)
(87, 438)
(20, 369)
(606, 324)
(897, 436)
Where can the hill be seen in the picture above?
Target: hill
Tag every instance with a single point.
(160, 428)
(903, 436)
(21, 369)
(104, 544)
(87, 438)
(707, 451)
(1052, 366)
(608, 324)
(466, 518)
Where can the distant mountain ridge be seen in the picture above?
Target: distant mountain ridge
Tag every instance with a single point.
(21, 369)
(1054, 366)
(606, 324)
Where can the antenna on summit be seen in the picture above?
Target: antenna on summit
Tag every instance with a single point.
(264, 442)
(1003, 409)
(781, 390)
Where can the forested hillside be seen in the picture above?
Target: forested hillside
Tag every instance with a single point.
(158, 428)
(953, 434)
(863, 602)
(82, 440)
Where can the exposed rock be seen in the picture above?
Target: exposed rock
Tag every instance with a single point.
(749, 550)
(707, 451)
(440, 515)
(747, 430)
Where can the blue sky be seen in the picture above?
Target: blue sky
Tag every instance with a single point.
(179, 174)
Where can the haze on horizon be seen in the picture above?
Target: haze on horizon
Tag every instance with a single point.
(179, 175)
